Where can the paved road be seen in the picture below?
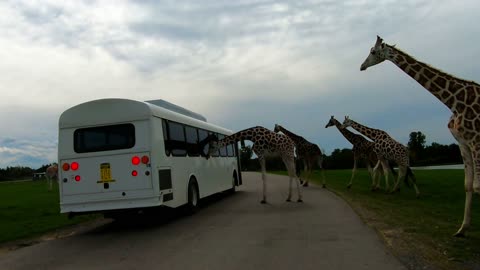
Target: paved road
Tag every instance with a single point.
(233, 232)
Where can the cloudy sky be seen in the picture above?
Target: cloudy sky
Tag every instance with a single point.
(239, 63)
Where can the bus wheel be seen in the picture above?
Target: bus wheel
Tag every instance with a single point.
(234, 184)
(193, 197)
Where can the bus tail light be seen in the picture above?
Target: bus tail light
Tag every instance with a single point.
(134, 173)
(135, 160)
(78, 178)
(66, 166)
(145, 159)
(74, 166)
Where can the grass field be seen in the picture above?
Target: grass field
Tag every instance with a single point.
(29, 209)
(420, 228)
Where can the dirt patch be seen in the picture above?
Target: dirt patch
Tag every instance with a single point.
(55, 234)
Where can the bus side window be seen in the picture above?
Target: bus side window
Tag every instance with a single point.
(192, 141)
(223, 150)
(217, 153)
(202, 134)
(176, 138)
(168, 149)
(230, 150)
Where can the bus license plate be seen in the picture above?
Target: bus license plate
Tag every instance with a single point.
(105, 173)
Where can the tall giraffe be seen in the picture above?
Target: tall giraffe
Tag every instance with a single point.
(266, 143)
(387, 149)
(362, 150)
(460, 96)
(309, 152)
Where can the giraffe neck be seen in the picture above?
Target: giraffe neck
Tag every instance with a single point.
(455, 93)
(295, 138)
(246, 134)
(350, 136)
(370, 133)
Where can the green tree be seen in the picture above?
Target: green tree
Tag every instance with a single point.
(416, 145)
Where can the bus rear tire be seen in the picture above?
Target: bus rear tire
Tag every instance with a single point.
(193, 198)
(234, 185)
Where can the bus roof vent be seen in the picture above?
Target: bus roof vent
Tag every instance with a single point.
(172, 107)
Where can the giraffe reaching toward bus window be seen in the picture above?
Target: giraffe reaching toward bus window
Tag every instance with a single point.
(266, 143)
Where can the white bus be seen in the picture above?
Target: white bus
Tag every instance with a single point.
(120, 154)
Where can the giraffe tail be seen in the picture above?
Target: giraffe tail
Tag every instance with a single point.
(391, 169)
(411, 175)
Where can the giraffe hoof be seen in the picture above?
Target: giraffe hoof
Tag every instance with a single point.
(459, 235)
(324, 186)
(305, 184)
(288, 200)
(263, 202)
(299, 200)
(349, 186)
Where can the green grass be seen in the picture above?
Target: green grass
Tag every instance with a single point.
(425, 225)
(28, 209)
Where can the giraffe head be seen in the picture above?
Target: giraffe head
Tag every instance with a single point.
(211, 141)
(378, 53)
(277, 128)
(347, 122)
(331, 122)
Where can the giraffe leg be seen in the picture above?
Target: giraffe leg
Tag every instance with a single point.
(414, 181)
(299, 189)
(369, 168)
(290, 166)
(353, 172)
(472, 169)
(307, 173)
(322, 170)
(264, 179)
(402, 172)
(376, 170)
(298, 170)
(385, 174)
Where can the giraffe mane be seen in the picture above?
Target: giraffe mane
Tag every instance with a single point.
(430, 66)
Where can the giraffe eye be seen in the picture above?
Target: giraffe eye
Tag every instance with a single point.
(372, 52)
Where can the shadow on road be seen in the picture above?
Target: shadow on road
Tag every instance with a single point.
(153, 218)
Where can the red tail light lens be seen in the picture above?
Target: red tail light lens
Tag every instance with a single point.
(74, 166)
(66, 166)
(135, 160)
(134, 173)
(77, 178)
(145, 159)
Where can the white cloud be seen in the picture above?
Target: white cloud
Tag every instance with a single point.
(228, 60)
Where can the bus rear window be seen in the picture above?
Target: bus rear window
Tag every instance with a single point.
(104, 138)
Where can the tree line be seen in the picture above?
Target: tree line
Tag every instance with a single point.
(420, 155)
(20, 172)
